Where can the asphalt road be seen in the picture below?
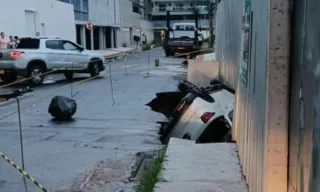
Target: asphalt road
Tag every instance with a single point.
(60, 154)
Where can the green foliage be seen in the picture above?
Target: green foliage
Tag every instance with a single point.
(150, 177)
(146, 48)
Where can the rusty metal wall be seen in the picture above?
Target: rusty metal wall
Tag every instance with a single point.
(304, 145)
(251, 96)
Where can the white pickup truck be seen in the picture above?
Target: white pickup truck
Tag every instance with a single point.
(35, 56)
(182, 39)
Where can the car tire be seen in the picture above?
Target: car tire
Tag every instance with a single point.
(167, 54)
(68, 76)
(94, 69)
(9, 78)
(35, 72)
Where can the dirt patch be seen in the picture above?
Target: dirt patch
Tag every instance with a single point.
(109, 175)
(3, 100)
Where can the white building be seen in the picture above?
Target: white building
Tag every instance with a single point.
(28, 17)
(104, 15)
(115, 22)
(132, 22)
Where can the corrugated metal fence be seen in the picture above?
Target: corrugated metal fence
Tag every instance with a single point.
(304, 138)
(251, 94)
(251, 121)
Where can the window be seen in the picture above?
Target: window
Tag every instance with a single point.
(29, 43)
(85, 6)
(179, 28)
(189, 28)
(76, 5)
(54, 44)
(67, 45)
(135, 8)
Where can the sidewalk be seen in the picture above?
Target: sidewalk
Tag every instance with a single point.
(191, 167)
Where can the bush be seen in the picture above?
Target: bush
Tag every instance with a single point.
(149, 178)
(146, 48)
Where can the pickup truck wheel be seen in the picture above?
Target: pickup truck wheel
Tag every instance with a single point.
(35, 72)
(68, 76)
(94, 69)
(9, 78)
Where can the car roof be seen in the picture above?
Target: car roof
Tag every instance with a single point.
(184, 24)
(42, 37)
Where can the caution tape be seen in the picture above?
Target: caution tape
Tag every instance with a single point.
(24, 173)
(67, 85)
(47, 96)
(75, 64)
(50, 72)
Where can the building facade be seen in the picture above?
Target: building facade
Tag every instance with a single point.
(135, 19)
(181, 11)
(104, 17)
(36, 17)
(114, 22)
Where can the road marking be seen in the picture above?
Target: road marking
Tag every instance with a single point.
(127, 66)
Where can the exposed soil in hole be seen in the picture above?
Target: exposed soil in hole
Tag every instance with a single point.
(166, 102)
(3, 99)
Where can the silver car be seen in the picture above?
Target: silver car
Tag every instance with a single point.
(35, 56)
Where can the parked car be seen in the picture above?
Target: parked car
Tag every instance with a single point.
(36, 55)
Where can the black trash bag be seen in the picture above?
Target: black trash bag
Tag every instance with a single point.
(62, 108)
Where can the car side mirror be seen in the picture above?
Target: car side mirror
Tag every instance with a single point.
(81, 49)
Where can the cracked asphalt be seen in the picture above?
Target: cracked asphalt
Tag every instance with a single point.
(59, 155)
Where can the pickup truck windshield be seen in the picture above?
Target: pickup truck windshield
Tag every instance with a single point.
(29, 43)
(184, 28)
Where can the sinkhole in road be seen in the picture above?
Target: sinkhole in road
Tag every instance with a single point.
(15, 93)
(174, 105)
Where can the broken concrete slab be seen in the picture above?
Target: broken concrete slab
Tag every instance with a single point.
(191, 167)
(203, 69)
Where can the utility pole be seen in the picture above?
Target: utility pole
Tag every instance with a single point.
(211, 13)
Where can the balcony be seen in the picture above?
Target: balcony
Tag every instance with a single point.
(179, 10)
(163, 24)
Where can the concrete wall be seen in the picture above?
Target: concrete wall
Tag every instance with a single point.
(147, 28)
(260, 124)
(47, 21)
(128, 19)
(103, 13)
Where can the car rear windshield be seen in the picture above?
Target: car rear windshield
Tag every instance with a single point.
(28, 43)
